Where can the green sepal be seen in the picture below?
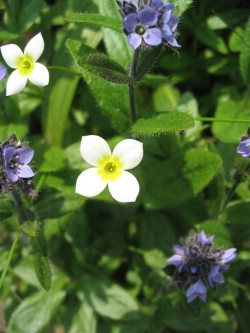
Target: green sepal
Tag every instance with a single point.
(105, 67)
(43, 271)
(97, 20)
(146, 59)
(163, 123)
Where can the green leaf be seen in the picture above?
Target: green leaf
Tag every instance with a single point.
(24, 13)
(116, 43)
(163, 123)
(146, 59)
(53, 159)
(230, 132)
(114, 105)
(97, 20)
(108, 299)
(245, 56)
(181, 5)
(210, 38)
(43, 271)
(166, 98)
(35, 312)
(200, 167)
(185, 174)
(84, 320)
(103, 66)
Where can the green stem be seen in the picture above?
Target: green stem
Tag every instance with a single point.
(238, 179)
(223, 120)
(131, 86)
(6, 267)
(65, 69)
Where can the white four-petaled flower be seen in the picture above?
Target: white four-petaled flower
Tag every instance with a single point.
(109, 168)
(25, 65)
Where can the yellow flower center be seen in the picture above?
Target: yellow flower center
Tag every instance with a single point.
(110, 168)
(25, 65)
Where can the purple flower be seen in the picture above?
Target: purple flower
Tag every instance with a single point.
(199, 265)
(170, 23)
(228, 255)
(215, 276)
(180, 258)
(140, 27)
(244, 148)
(197, 289)
(3, 72)
(16, 162)
(204, 240)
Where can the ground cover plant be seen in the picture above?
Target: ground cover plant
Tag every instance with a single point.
(124, 166)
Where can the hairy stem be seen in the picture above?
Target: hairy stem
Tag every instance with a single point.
(131, 86)
(238, 179)
(10, 255)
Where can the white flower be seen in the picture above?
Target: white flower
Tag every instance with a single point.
(109, 168)
(25, 65)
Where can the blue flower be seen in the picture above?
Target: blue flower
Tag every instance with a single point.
(170, 23)
(3, 72)
(16, 162)
(140, 28)
(244, 148)
(197, 289)
(199, 265)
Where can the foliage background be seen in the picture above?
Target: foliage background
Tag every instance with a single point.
(97, 265)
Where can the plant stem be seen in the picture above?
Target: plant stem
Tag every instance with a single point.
(10, 255)
(223, 120)
(65, 69)
(131, 86)
(8, 11)
(238, 179)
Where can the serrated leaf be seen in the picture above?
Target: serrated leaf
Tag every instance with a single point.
(114, 105)
(97, 20)
(35, 312)
(245, 56)
(43, 271)
(164, 123)
(103, 66)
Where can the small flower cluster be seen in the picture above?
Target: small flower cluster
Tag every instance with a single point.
(149, 22)
(14, 169)
(199, 265)
(244, 146)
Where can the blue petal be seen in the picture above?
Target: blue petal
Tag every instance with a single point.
(134, 40)
(3, 72)
(24, 171)
(130, 22)
(167, 33)
(12, 176)
(173, 22)
(148, 16)
(153, 36)
(25, 155)
(173, 42)
(8, 154)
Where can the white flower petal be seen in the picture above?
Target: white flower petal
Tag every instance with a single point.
(11, 53)
(125, 189)
(89, 183)
(15, 83)
(93, 148)
(35, 47)
(130, 153)
(39, 75)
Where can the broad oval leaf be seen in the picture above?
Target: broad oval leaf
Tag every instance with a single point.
(164, 123)
(35, 312)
